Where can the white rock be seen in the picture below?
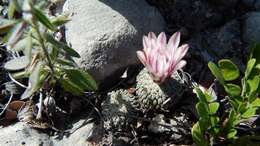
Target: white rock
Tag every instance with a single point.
(107, 33)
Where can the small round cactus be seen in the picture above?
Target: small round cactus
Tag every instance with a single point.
(155, 96)
(117, 110)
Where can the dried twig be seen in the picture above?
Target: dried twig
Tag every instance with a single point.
(10, 99)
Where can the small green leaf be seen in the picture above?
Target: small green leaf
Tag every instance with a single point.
(29, 45)
(232, 89)
(65, 62)
(256, 102)
(15, 34)
(229, 69)
(213, 108)
(60, 20)
(6, 25)
(250, 66)
(232, 134)
(13, 6)
(17, 63)
(35, 81)
(202, 109)
(197, 136)
(54, 54)
(66, 48)
(214, 120)
(216, 72)
(200, 95)
(71, 87)
(43, 19)
(249, 113)
(82, 79)
(253, 83)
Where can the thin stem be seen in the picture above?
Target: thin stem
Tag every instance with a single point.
(41, 41)
(6, 106)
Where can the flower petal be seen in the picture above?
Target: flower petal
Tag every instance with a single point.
(161, 41)
(174, 41)
(141, 57)
(180, 52)
(180, 65)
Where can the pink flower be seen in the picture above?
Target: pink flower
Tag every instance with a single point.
(162, 59)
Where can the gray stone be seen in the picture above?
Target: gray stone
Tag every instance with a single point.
(20, 134)
(107, 33)
(220, 43)
(82, 133)
(251, 30)
(179, 126)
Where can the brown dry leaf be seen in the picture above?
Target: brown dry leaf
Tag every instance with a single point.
(10, 115)
(13, 108)
(16, 105)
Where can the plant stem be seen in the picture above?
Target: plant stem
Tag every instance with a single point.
(41, 41)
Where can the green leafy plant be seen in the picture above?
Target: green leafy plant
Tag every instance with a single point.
(37, 54)
(243, 98)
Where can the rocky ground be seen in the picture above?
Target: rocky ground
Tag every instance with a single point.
(107, 34)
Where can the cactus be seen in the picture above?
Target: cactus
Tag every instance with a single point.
(155, 96)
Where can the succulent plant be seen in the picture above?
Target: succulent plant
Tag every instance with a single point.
(159, 82)
(118, 110)
(151, 95)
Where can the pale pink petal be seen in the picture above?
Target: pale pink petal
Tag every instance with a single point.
(141, 57)
(181, 52)
(180, 65)
(174, 41)
(145, 42)
(151, 35)
(161, 41)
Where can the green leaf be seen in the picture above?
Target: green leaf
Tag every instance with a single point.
(54, 54)
(216, 72)
(249, 113)
(197, 135)
(6, 25)
(81, 78)
(202, 110)
(250, 66)
(15, 34)
(13, 6)
(232, 134)
(213, 108)
(232, 89)
(35, 81)
(256, 102)
(253, 83)
(66, 48)
(229, 70)
(65, 62)
(17, 63)
(71, 87)
(60, 20)
(214, 120)
(200, 95)
(43, 19)
(29, 46)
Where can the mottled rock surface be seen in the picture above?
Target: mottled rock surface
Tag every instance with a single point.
(251, 30)
(20, 134)
(107, 33)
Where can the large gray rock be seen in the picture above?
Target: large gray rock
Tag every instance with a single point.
(224, 42)
(20, 134)
(107, 33)
(251, 30)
